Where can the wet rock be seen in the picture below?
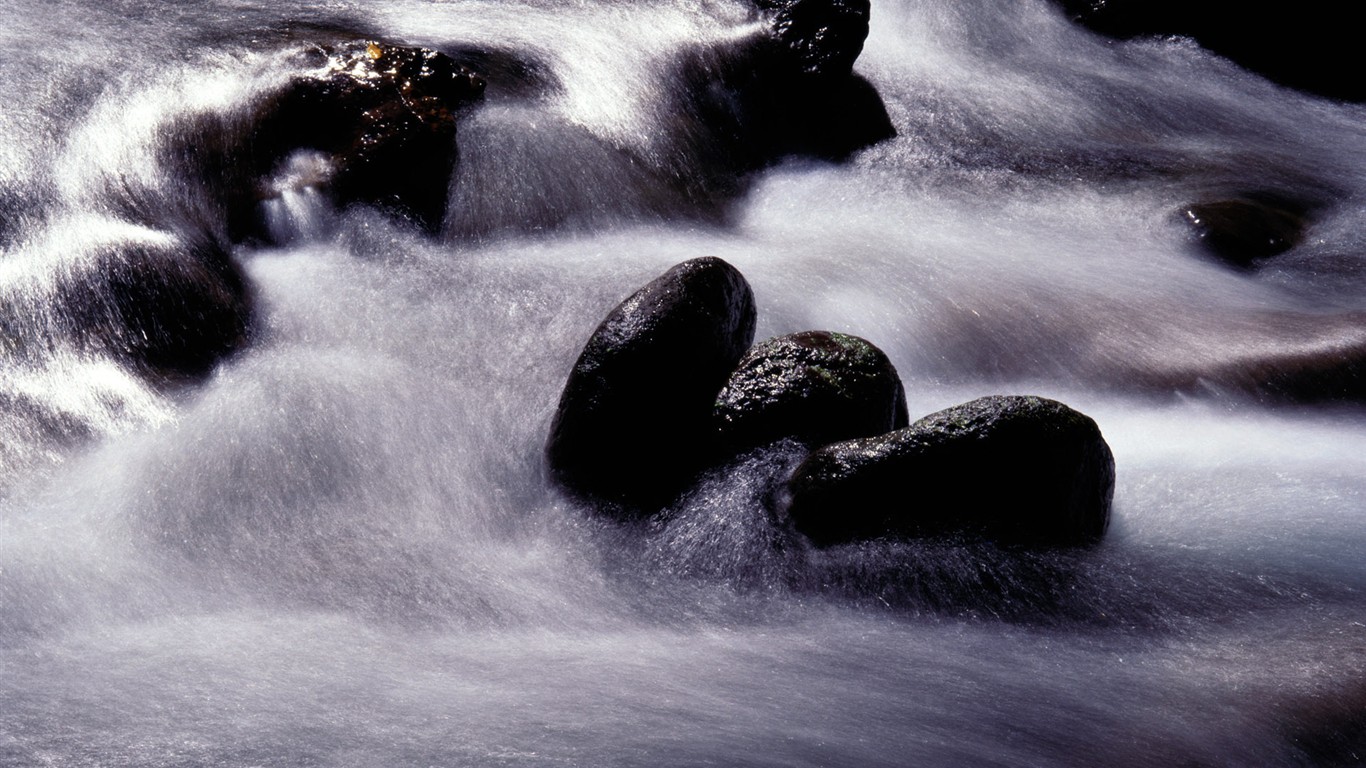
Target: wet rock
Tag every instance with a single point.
(1311, 47)
(171, 310)
(1011, 469)
(816, 387)
(384, 114)
(1243, 231)
(787, 90)
(821, 37)
(633, 423)
(511, 75)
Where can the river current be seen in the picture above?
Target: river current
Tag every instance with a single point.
(341, 548)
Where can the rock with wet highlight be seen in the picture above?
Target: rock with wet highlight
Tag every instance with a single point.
(384, 114)
(1244, 231)
(822, 37)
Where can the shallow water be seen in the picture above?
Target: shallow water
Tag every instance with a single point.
(341, 549)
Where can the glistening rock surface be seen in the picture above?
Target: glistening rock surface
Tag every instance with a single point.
(384, 115)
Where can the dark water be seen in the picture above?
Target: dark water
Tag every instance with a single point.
(341, 550)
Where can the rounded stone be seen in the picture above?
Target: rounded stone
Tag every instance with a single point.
(632, 427)
(816, 387)
(1017, 470)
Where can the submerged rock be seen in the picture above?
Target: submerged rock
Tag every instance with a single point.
(383, 114)
(1243, 231)
(816, 387)
(171, 310)
(1012, 469)
(633, 423)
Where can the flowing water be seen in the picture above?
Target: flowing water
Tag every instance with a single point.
(341, 548)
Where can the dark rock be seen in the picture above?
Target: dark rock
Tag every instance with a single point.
(173, 311)
(1309, 46)
(822, 37)
(633, 422)
(816, 387)
(787, 90)
(385, 115)
(1012, 469)
(1243, 231)
(510, 75)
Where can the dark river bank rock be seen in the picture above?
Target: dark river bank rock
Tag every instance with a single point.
(1243, 231)
(383, 115)
(815, 387)
(1010, 469)
(633, 425)
(1308, 46)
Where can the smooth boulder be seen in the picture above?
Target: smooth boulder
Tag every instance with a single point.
(1016, 470)
(632, 427)
(815, 387)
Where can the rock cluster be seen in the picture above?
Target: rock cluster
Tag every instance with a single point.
(375, 123)
(665, 389)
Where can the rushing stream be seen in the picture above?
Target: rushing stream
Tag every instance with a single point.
(341, 548)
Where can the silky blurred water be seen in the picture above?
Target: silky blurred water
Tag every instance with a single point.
(342, 550)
